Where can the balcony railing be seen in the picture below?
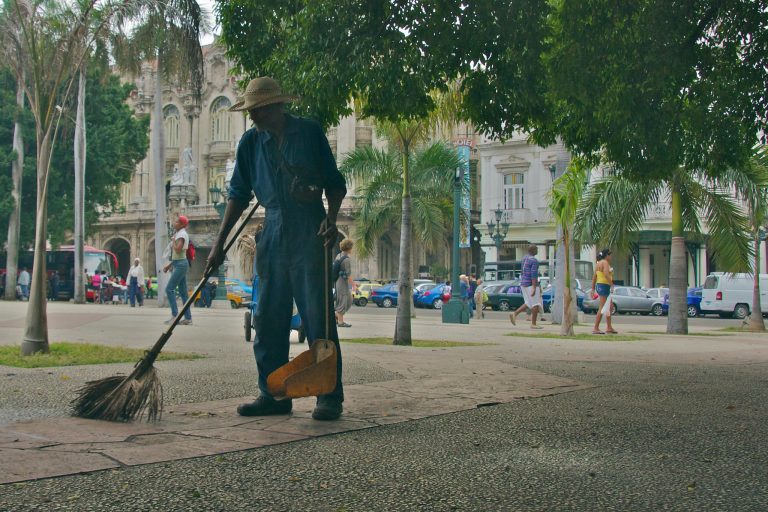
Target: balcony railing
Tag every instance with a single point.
(221, 148)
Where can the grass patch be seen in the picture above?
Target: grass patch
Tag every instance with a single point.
(689, 334)
(580, 336)
(72, 354)
(739, 329)
(416, 343)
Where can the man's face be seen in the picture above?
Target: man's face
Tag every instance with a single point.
(266, 117)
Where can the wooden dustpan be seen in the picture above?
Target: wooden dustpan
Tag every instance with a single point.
(313, 372)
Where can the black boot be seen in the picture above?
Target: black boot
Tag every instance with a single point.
(265, 406)
(327, 408)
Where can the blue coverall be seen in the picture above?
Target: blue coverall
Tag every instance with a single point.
(289, 253)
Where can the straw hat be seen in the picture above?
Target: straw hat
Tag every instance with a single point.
(262, 91)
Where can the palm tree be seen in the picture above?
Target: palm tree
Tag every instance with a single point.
(167, 33)
(54, 48)
(409, 185)
(615, 207)
(756, 198)
(564, 200)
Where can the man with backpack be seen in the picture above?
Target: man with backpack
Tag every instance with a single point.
(180, 266)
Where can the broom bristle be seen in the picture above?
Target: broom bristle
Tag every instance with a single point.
(121, 398)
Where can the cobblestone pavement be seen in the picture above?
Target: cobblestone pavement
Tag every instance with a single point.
(670, 423)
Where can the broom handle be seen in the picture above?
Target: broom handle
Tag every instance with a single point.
(327, 293)
(167, 334)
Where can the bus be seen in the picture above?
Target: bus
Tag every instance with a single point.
(510, 270)
(62, 260)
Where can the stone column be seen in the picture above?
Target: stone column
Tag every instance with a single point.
(645, 267)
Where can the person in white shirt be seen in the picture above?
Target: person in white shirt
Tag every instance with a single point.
(180, 266)
(136, 283)
(23, 281)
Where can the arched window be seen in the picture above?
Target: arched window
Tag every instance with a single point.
(220, 122)
(171, 126)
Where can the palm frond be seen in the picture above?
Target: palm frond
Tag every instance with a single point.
(613, 209)
(728, 227)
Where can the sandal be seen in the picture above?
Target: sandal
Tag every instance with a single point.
(537, 327)
(598, 332)
(612, 331)
(345, 324)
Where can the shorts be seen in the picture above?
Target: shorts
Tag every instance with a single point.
(603, 290)
(531, 296)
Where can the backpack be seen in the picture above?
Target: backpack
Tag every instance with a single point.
(191, 252)
(336, 269)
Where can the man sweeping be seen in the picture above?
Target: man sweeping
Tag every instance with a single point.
(287, 163)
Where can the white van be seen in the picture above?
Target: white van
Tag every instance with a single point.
(731, 294)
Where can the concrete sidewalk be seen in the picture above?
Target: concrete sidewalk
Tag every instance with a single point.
(384, 384)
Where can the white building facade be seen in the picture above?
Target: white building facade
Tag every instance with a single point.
(517, 177)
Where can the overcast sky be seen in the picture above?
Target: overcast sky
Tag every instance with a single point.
(208, 5)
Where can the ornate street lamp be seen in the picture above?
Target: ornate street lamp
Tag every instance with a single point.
(220, 206)
(498, 230)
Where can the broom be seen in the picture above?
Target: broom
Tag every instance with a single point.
(121, 398)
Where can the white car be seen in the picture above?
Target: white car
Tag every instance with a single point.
(731, 294)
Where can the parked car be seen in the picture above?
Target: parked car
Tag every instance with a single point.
(731, 294)
(505, 297)
(430, 297)
(694, 302)
(362, 295)
(239, 286)
(386, 296)
(547, 298)
(658, 293)
(626, 299)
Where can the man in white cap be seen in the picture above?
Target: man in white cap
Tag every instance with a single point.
(287, 163)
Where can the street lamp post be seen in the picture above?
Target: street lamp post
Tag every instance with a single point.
(220, 301)
(456, 310)
(498, 230)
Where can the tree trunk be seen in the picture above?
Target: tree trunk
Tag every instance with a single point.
(79, 289)
(677, 322)
(158, 162)
(756, 322)
(566, 327)
(403, 320)
(36, 328)
(14, 221)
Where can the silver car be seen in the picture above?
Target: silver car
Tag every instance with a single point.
(627, 299)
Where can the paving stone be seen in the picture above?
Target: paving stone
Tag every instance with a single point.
(256, 437)
(182, 447)
(20, 465)
(310, 427)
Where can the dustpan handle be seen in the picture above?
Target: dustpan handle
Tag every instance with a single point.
(327, 250)
(159, 345)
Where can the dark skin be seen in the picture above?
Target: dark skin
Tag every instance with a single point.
(270, 118)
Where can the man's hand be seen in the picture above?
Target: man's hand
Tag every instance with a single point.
(215, 257)
(167, 267)
(329, 231)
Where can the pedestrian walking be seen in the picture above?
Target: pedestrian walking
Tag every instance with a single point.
(136, 283)
(287, 163)
(53, 285)
(342, 282)
(529, 287)
(472, 301)
(602, 284)
(180, 267)
(479, 298)
(23, 281)
(105, 288)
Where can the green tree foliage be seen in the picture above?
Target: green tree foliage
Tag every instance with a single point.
(391, 55)
(378, 175)
(653, 86)
(120, 141)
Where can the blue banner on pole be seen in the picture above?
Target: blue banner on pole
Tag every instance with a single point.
(465, 232)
